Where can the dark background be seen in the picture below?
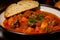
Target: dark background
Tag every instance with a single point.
(4, 3)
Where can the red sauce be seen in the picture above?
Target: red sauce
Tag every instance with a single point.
(33, 22)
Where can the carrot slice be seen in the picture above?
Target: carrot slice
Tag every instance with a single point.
(37, 29)
(24, 19)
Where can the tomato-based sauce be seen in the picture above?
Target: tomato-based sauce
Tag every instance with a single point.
(33, 22)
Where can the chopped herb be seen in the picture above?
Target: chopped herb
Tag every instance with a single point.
(32, 20)
(40, 17)
(29, 22)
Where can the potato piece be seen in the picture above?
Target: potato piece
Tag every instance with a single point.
(29, 30)
(44, 24)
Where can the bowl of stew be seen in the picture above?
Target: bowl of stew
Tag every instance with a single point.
(31, 22)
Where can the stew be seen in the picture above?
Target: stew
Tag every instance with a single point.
(33, 22)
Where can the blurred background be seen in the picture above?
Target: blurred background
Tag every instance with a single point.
(4, 3)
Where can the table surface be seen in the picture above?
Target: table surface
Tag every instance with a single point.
(2, 37)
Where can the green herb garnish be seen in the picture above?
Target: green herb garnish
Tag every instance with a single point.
(40, 17)
(28, 22)
(32, 20)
